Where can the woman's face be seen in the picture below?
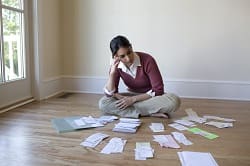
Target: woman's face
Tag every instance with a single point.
(125, 55)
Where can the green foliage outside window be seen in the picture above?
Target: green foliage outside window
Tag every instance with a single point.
(11, 26)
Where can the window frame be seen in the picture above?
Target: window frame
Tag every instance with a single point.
(21, 11)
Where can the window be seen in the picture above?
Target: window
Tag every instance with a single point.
(12, 59)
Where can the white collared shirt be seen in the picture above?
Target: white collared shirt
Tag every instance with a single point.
(133, 68)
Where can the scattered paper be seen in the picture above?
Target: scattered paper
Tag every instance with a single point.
(203, 133)
(115, 145)
(127, 125)
(195, 119)
(191, 113)
(157, 127)
(181, 138)
(79, 122)
(219, 118)
(166, 141)
(93, 140)
(196, 159)
(106, 119)
(192, 116)
(219, 124)
(89, 121)
(185, 122)
(178, 126)
(143, 151)
(130, 120)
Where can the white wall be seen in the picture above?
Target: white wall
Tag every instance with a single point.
(50, 27)
(48, 57)
(195, 39)
(202, 47)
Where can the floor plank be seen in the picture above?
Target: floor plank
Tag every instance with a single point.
(28, 138)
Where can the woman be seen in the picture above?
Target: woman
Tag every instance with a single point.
(141, 75)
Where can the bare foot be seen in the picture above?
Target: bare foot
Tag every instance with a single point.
(160, 115)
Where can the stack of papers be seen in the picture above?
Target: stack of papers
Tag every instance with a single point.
(115, 145)
(127, 125)
(181, 138)
(219, 124)
(93, 140)
(143, 151)
(178, 126)
(166, 141)
(196, 159)
(203, 133)
(157, 127)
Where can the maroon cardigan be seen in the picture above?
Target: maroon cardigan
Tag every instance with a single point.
(148, 77)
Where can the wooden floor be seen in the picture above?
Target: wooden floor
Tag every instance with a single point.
(27, 137)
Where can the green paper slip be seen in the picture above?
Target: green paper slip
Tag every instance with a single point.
(203, 133)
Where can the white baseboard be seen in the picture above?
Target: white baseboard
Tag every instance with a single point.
(228, 90)
(16, 105)
(51, 87)
(84, 84)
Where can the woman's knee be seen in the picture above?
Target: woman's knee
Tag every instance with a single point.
(176, 101)
(173, 102)
(104, 104)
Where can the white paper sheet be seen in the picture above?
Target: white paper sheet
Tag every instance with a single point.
(166, 141)
(192, 116)
(143, 151)
(181, 138)
(185, 122)
(130, 120)
(219, 118)
(79, 122)
(127, 125)
(178, 126)
(89, 121)
(115, 145)
(106, 119)
(93, 140)
(196, 159)
(157, 127)
(219, 124)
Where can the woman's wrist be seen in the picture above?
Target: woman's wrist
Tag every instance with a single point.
(134, 99)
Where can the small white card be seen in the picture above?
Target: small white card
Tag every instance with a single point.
(166, 141)
(157, 127)
(115, 145)
(196, 159)
(93, 140)
(185, 122)
(181, 138)
(143, 151)
(219, 124)
(79, 122)
(219, 118)
(178, 126)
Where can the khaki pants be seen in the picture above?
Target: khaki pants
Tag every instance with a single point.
(166, 103)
